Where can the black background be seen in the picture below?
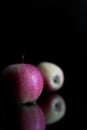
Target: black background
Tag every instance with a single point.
(47, 31)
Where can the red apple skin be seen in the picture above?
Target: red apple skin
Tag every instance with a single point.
(31, 118)
(27, 81)
(53, 106)
(53, 76)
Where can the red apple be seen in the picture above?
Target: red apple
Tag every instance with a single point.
(31, 118)
(53, 76)
(53, 107)
(27, 82)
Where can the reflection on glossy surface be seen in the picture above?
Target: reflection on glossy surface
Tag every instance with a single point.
(31, 118)
(54, 107)
(50, 109)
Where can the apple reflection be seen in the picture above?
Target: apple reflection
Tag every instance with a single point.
(54, 107)
(31, 118)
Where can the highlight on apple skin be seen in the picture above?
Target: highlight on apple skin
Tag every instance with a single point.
(54, 108)
(26, 81)
(53, 76)
(31, 118)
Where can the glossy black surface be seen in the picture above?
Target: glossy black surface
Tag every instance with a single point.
(62, 105)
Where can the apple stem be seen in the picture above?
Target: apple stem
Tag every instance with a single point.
(23, 58)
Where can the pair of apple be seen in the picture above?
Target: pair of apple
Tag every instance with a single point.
(29, 80)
